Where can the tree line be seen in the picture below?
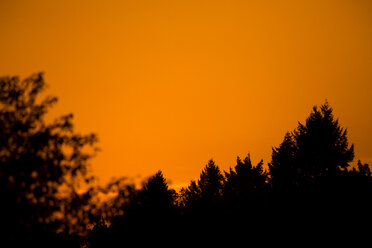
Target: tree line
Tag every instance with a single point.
(49, 199)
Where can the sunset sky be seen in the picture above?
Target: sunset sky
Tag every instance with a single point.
(170, 84)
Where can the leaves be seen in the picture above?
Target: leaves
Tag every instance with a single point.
(40, 158)
(47, 189)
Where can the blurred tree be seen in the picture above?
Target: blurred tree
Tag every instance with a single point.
(189, 196)
(363, 169)
(109, 223)
(40, 163)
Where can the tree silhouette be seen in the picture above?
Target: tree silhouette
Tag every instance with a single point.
(310, 183)
(245, 195)
(311, 178)
(245, 182)
(208, 189)
(283, 171)
(109, 229)
(246, 178)
(155, 193)
(363, 169)
(149, 211)
(319, 148)
(190, 196)
(154, 200)
(210, 182)
(322, 145)
(39, 163)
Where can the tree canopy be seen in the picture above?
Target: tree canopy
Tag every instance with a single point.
(40, 163)
(310, 181)
(318, 148)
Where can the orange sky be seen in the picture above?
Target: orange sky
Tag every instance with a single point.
(170, 84)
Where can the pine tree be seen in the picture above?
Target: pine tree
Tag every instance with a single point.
(207, 190)
(317, 149)
(156, 194)
(245, 179)
(190, 196)
(210, 182)
(322, 145)
(283, 172)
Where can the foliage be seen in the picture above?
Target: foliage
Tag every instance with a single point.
(245, 178)
(50, 200)
(319, 148)
(40, 163)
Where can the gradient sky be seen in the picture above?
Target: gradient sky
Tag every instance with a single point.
(170, 84)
